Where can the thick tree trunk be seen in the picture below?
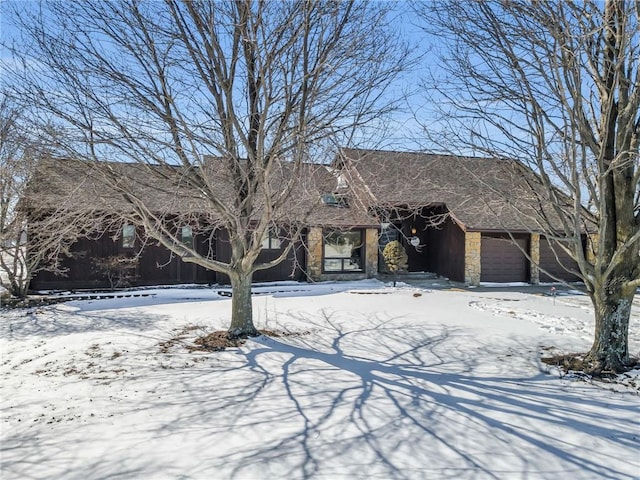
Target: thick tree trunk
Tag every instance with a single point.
(610, 350)
(241, 307)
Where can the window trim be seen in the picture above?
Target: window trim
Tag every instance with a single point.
(362, 249)
(182, 236)
(336, 200)
(272, 240)
(125, 236)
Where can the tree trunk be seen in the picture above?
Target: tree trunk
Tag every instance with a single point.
(18, 288)
(241, 307)
(610, 350)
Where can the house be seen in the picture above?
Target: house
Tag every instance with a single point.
(338, 240)
(450, 213)
(466, 218)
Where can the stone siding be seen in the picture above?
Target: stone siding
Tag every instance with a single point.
(314, 258)
(534, 253)
(371, 251)
(472, 259)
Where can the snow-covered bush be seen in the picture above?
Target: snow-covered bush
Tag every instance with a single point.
(395, 257)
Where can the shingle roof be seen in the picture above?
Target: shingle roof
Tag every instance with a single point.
(58, 181)
(167, 190)
(481, 193)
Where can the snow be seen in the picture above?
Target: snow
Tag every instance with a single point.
(380, 383)
(503, 284)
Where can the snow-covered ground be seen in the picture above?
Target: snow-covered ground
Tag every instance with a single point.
(378, 383)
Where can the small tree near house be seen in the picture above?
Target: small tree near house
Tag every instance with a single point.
(119, 270)
(34, 236)
(395, 258)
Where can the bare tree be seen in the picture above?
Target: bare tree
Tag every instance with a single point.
(556, 85)
(13, 176)
(225, 102)
(34, 236)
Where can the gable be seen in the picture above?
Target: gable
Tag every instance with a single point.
(481, 194)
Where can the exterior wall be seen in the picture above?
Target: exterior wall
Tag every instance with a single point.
(290, 268)
(445, 249)
(156, 266)
(441, 248)
(314, 253)
(417, 259)
(80, 267)
(472, 257)
(556, 264)
(371, 252)
(534, 253)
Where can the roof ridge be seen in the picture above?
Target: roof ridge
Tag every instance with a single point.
(421, 154)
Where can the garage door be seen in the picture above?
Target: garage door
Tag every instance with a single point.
(554, 266)
(502, 260)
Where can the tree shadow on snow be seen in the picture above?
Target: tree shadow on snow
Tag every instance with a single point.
(51, 322)
(397, 401)
(390, 400)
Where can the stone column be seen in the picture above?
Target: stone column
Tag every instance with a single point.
(371, 249)
(534, 253)
(314, 258)
(472, 259)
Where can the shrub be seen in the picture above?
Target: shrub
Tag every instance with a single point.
(395, 257)
(119, 270)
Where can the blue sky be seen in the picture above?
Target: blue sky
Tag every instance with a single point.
(404, 131)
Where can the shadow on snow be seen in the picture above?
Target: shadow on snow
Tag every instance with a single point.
(392, 400)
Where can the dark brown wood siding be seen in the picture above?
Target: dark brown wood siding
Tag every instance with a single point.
(417, 259)
(556, 262)
(292, 268)
(502, 259)
(81, 269)
(444, 248)
(156, 266)
(441, 248)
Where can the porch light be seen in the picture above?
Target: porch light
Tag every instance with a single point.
(413, 230)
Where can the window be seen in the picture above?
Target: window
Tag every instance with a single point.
(128, 236)
(186, 233)
(270, 240)
(334, 200)
(343, 251)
